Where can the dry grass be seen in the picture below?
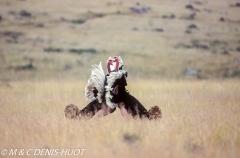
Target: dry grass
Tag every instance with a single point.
(200, 119)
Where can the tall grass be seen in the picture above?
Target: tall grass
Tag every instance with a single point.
(200, 119)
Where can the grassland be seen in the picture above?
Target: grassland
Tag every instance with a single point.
(200, 119)
(159, 43)
(47, 49)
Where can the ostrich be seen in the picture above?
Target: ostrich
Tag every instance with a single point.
(107, 92)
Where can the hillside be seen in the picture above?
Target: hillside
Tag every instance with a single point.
(156, 39)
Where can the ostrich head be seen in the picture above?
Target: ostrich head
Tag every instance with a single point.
(114, 64)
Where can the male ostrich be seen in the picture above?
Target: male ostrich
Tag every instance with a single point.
(108, 92)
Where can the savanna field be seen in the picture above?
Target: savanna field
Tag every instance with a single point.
(200, 119)
(182, 56)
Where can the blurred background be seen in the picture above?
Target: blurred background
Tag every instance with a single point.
(157, 39)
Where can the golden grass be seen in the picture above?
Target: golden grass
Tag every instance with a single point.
(200, 119)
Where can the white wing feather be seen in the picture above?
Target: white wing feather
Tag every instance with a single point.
(96, 80)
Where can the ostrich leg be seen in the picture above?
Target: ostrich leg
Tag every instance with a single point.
(72, 111)
(135, 108)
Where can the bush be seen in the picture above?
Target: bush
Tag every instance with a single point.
(80, 51)
(192, 26)
(236, 73)
(79, 21)
(189, 6)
